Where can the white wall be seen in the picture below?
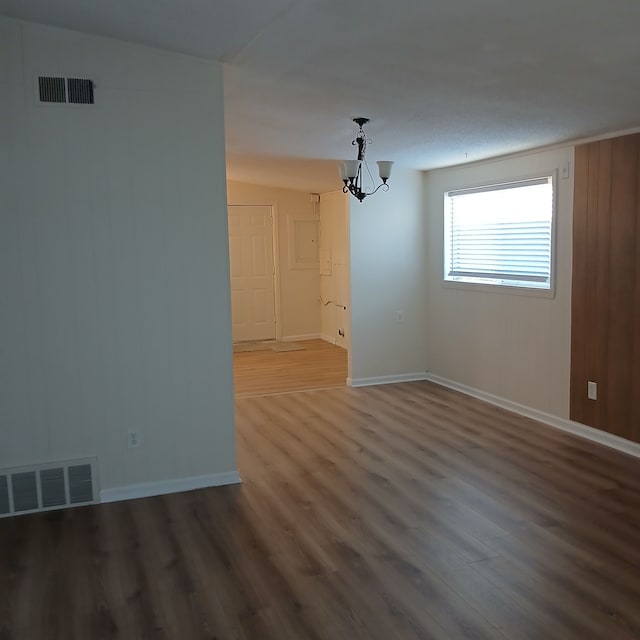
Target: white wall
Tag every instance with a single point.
(299, 285)
(114, 312)
(388, 261)
(514, 346)
(334, 249)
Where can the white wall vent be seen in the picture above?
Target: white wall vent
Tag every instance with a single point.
(48, 486)
(61, 90)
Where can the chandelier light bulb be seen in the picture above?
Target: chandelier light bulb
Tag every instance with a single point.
(351, 168)
(384, 168)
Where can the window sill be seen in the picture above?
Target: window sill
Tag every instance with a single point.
(527, 292)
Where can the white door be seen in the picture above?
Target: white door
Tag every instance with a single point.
(252, 273)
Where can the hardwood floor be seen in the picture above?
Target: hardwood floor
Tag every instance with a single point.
(396, 512)
(320, 365)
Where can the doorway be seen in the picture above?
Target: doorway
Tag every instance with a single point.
(281, 342)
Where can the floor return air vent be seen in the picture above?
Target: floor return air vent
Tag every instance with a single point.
(48, 486)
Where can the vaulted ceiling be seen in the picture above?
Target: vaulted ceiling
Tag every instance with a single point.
(443, 82)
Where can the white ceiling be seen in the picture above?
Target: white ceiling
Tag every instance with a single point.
(443, 82)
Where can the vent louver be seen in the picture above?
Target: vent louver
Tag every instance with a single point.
(80, 91)
(52, 484)
(52, 89)
(61, 90)
(45, 487)
(80, 488)
(4, 496)
(25, 491)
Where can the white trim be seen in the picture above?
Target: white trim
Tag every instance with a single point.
(392, 379)
(308, 336)
(577, 428)
(277, 275)
(326, 338)
(162, 487)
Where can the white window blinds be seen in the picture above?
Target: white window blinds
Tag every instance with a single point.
(500, 234)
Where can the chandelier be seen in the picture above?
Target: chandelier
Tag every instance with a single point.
(351, 170)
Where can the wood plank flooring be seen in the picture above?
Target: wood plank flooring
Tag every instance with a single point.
(320, 365)
(395, 512)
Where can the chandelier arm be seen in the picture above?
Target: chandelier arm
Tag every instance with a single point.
(354, 189)
(383, 185)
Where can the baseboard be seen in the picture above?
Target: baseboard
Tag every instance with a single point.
(308, 336)
(162, 487)
(326, 338)
(392, 379)
(577, 428)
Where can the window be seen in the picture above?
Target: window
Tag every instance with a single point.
(500, 234)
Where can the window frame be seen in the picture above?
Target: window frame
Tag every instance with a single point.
(490, 287)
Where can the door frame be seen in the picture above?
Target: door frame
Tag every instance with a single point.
(275, 236)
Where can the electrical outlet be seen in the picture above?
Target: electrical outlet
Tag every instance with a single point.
(134, 439)
(399, 316)
(592, 390)
(565, 171)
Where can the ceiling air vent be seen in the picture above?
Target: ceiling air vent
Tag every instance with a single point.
(46, 487)
(61, 90)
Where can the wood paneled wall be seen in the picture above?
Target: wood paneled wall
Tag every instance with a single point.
(605, 343)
